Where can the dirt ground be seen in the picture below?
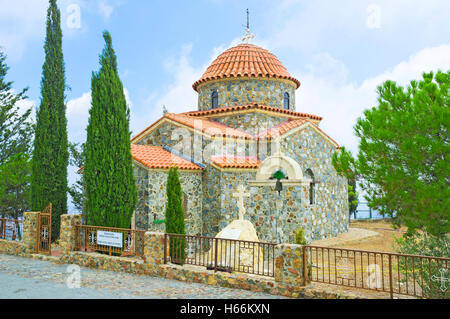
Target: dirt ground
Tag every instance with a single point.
(385, 242)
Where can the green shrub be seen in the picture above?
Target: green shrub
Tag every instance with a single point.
(300, 237)
(424, 244)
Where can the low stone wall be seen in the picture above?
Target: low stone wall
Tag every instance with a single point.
(288, 280)
(67, 232)
(289, 265)
(27, 246)
(105, 262)
(30, 230)
(15, 248)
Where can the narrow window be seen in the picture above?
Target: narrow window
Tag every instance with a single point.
(286, 101)
(312, 193)
(214, 99)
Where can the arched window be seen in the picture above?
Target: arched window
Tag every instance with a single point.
(214, 99)
(286, 101)
(312, 193)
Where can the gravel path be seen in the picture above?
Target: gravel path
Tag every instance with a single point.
(31, 278)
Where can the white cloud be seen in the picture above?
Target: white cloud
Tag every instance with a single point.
(106, 7)
(20, 21)
(341, 102)
(78, 115)
(309, 26)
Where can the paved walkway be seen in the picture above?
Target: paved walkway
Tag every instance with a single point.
(31, 278)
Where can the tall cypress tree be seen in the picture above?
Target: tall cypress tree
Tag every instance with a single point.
(175, 215)
(110, 185)
(50, 154)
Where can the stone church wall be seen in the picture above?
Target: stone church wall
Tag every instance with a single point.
(245, 91)
(330, 211)
(152, 199)
(327, 217)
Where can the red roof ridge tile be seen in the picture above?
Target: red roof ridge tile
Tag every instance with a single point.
(251, 106)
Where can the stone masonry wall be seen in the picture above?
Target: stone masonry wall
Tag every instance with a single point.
(245, 91)
(67, 232)
(152, 199)
(29, 230)
(328, 216)
(27, 246)
(289, 265)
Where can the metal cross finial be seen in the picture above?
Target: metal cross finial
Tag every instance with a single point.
(248, 20)
(246, 38)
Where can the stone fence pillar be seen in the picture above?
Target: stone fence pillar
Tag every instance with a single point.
(68, 233)
(154, 249)
(289, 269)
(30, 230)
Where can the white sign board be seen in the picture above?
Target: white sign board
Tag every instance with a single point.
(108, 238)
(231, 233)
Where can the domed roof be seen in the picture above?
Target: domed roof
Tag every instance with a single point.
(245, 60)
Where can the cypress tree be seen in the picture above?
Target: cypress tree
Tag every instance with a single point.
(50, 154)
(175, 215)
(110, 185)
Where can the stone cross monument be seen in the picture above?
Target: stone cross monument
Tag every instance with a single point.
(240, 194)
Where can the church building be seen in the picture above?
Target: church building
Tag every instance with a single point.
(246, 131)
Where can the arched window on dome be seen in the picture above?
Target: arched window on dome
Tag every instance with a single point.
(215, 99)
(286, 101)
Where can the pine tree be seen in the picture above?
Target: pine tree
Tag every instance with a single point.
(16, 132)
(404, 154)
(50, 154)
(175, 215)
(110, 185)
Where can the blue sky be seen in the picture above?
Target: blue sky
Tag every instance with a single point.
(339, 50)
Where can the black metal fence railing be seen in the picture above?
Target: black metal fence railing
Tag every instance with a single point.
(11, 229)
(220, 254)
(125, 242)
(418, 276)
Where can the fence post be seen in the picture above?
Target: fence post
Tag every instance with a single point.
(390, 278)
(305, 266)
(215, 254)
(165, 248)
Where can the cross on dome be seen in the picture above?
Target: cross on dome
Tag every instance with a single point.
(248, 36)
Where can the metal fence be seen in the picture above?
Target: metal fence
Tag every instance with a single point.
(220, 254)
(418, 276)
(11, 229)
(130, 243)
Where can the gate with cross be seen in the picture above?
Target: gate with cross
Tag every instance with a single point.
(44, 231)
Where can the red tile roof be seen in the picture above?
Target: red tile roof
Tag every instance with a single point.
(257, 106)
(228, 161)
(245, 60)
(157, 157)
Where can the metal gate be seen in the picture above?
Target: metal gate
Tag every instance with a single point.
(44, 231)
